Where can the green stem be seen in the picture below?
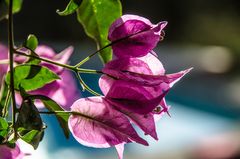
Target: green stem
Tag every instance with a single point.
(11, 51)
(69, 67)
(46, 60)
(55, 112)
(65, 112)
(85, 86)
(5, 108)
(72, 68)
(88, 57)
(82, 70)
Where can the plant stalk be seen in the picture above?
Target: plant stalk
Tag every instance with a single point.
(11, 61)
(69, 67)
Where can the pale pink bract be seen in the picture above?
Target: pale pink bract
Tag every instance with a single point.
(99, 125)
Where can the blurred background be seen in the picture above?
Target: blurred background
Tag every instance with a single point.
(205, 112)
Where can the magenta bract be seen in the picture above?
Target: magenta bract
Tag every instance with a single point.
(139, 72)
(141, 91)
(10, 153)
(134, 36)
(98, 124)
(135, 98)
(3, 56)
(144, 121)
(137, 87)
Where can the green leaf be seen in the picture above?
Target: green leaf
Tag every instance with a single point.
(29, 117)
(32, 137)
(3, 124)
(29, 123)
(31, 77)
(3, 135)
(3, 9)
(31, 42)
(17, 5)
(71, 8)
(3, 129)
(52, 106)
(96, 16)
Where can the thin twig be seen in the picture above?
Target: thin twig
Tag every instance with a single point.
(5, 108)
(69, 67)
(85, 86)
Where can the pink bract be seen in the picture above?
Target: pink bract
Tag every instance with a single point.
(136, 87)
(63, 91)
(11, 153)
(3, 56)
(141, 90)
(99, 125)
(134, 36)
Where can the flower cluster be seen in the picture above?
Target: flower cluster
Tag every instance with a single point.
(134, 86)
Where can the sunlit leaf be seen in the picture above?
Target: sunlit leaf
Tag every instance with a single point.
(71, 8)
(31, 42)
(96, 16)
(3, 124)
(17, 5)
(31, 77)
(3, 129)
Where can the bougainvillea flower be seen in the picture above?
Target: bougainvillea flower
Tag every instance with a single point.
(137, 71)
(141, 91)
(11, 153)
(129, 84)
(3, 56)
(145, 122)
(99, 125)
(63, 91)
(136, 98)
(134, 36)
